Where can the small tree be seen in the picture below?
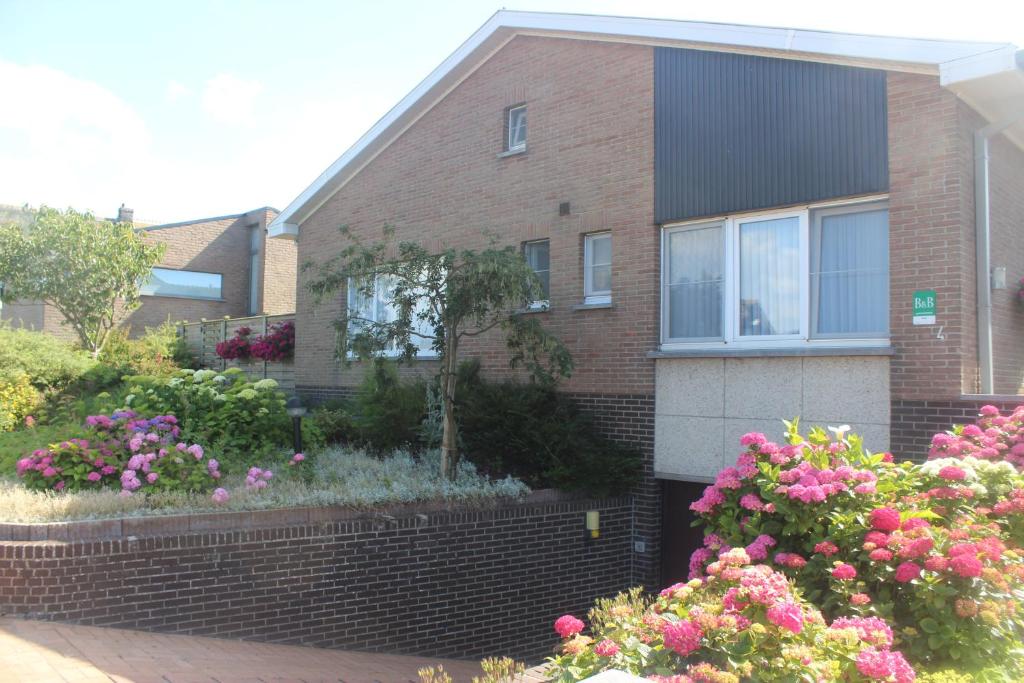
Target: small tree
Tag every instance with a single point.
(88, 269)
(443, 299)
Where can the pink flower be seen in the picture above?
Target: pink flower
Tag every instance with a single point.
(884, 665)
(844, 572)
(683, 637)
(988, 411)
(880, 555)
(859, 599)
(49, 472)
(885, 519)
(152, 477)
(568, 625)
(936, 563)
(606, 648)
(298, 457)
(871, 630)
(907, 571)
(826, 548)
(30, 421)
(753, 439)
(786, 615)
(94, 476)
(751, 501)
(966, 566)
(220, 496)
(952, 473)
(59, 486)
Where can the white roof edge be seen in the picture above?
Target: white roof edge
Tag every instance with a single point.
(979, 65)
(959, 59)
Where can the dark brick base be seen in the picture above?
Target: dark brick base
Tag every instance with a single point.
(629, 419)
(915, 422)
(462, 584)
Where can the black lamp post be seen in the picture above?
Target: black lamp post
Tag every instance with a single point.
(297, 411)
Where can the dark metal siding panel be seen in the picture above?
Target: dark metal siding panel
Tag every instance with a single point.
(739, 132)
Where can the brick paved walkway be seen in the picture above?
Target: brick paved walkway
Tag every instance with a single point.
(39, 652)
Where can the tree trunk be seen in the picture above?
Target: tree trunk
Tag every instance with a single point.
(449, 440)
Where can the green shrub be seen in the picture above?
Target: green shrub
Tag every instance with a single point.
(388, 412)
(18, 400)
(154, 353)
(239, 419)
(51, 364)
(536, 434)
(16, 445)
(336, 421)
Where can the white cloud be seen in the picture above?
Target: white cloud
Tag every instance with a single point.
(176, 91)
(63, 139)
(230, 99)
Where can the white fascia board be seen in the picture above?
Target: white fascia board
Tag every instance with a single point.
(978, 65)
(283, 230)
(506, 24)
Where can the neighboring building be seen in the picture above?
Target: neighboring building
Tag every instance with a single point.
(734, 223)
(211, 268)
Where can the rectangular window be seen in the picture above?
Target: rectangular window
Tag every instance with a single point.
(779, 279)
(255, 242)
(379, 308)
(694, 283)
(188, 284)
(849, 273)
(516, 126)
(597, 268)
(538, 256)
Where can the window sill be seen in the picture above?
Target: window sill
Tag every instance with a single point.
(589, 307)
(511, 153)
(777, 352)
(182, 296)
(535, 307)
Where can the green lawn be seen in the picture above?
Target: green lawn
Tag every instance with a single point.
(16, 445)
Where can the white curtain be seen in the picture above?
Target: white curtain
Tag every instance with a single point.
(770, 277)
(694, 283)
(850, 274)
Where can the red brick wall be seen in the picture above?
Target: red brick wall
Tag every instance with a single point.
(279, 272)
(930, 239)
(1006, 204)
(590, 143)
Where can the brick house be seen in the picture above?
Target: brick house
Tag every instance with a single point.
(211, 268)
(734, 223)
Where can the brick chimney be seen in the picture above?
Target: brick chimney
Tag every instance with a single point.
(125, 215)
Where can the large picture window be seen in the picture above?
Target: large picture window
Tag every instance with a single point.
(379, 308)
(189, 284)
(816, 275)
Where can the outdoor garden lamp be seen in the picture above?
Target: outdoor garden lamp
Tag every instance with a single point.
(297, 411)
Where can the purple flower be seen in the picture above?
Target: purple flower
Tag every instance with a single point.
(220, 496)
(94, 476)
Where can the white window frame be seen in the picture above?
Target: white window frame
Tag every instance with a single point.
(590, 295)
(350, 290)
(731, 284)
(540, 304)
(144, 285)
(509, 146)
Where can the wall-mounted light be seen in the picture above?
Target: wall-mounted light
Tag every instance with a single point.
(593, 523)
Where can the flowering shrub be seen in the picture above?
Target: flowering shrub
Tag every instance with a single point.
(741, 622)
(238, 347)
(993, 437)
(277, 344)
(241, 419)
(935, 548)
(122, 449)
(18, 398)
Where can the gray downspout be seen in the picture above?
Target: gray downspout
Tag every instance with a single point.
(983, 232)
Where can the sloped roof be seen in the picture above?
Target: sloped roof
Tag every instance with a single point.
(961, 65)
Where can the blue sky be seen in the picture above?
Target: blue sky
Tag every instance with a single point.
(188, 109)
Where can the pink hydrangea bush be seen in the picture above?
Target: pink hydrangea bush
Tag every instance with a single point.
(993, 436)
(740, 622)
(936, 547)
(126, 450)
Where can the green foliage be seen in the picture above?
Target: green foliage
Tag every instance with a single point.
(87, 268)
(336, 421)
(388, 412)
(18, 444)
(18, 400)
(50, 364)
(240, 420)
(536, 434)
(441, 299)
(154, 353)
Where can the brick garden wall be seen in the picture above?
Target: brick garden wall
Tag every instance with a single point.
(460, 584)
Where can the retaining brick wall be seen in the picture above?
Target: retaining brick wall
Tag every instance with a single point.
(464, 583)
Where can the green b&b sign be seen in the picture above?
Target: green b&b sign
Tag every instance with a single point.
(924, 307)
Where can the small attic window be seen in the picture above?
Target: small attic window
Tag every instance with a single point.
(516, 140)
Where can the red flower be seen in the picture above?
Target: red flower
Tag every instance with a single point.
(885, 519)
(908, 571)
(568, 625)
(844, 572)
(966, 566)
